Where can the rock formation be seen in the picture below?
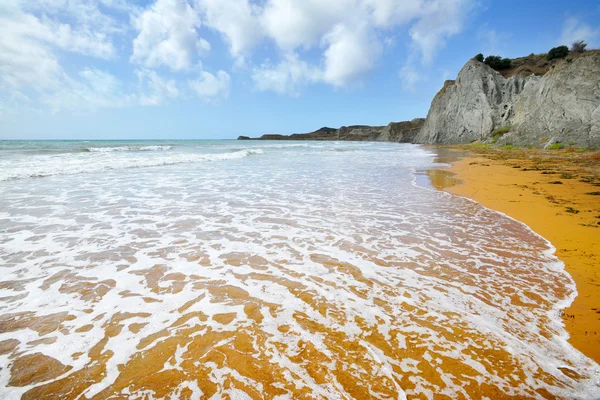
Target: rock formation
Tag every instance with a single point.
(562, 106)
(402, 132)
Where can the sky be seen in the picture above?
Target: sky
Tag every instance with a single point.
(217, 69)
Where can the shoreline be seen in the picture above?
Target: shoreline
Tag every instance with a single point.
(524, 184)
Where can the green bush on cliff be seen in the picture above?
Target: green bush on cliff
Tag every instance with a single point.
(498, 63)
(479, 57)
(558, 52)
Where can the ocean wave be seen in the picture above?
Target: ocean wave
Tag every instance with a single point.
(71, 164)
(338, 150)
(126, 148)
(284, 146)
(254, 146)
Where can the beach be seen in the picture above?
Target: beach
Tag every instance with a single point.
(258, 269)
(411, 209)
(557, 194)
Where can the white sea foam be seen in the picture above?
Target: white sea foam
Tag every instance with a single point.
(127, 148)
(76, 163)
(342, 239)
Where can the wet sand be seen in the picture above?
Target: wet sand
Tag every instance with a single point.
(558, 195)
(325, 275)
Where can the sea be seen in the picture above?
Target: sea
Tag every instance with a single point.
(223, 269)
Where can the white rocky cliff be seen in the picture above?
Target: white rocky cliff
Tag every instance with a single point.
(563, 105)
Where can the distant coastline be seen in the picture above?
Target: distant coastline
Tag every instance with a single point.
(400, 132)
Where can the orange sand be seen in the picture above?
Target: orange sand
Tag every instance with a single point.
(528, 196)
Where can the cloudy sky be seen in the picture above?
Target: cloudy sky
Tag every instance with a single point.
(110, 69)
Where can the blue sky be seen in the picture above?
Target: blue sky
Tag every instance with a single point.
(176, 69)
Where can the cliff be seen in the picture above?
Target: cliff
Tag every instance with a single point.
(401, 132)
(520, 108)
(535, 103)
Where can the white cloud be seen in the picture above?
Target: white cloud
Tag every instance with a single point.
(574, 30)
(155, 90)
(92, 90)
(210, 87)
(287, 77)
(26, 62)
(334, 42)
(386, 13)
(29, 61)
(13, 102)
(83, 13)
(349, 36)
(410, 77)
(236, 20)
(351, 52)
(25, 37)
(167, 36)
(438, 20)
(81, 41)
(292, 23)
(28, 45)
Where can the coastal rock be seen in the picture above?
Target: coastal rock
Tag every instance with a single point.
(564, 104)
(470, 108)
(402, 132)
(360, 133)
(274, 136)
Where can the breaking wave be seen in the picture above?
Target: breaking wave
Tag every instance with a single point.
(126, 148)
(77, 163)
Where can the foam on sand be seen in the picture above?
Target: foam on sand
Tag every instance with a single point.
(325, 275)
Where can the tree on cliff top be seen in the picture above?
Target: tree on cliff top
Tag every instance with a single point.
(498, 63)
(578, 46)
(479, 57)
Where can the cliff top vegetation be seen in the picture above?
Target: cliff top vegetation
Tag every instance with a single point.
(536, 64)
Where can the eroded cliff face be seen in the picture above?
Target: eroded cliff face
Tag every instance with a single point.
(561, 106)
